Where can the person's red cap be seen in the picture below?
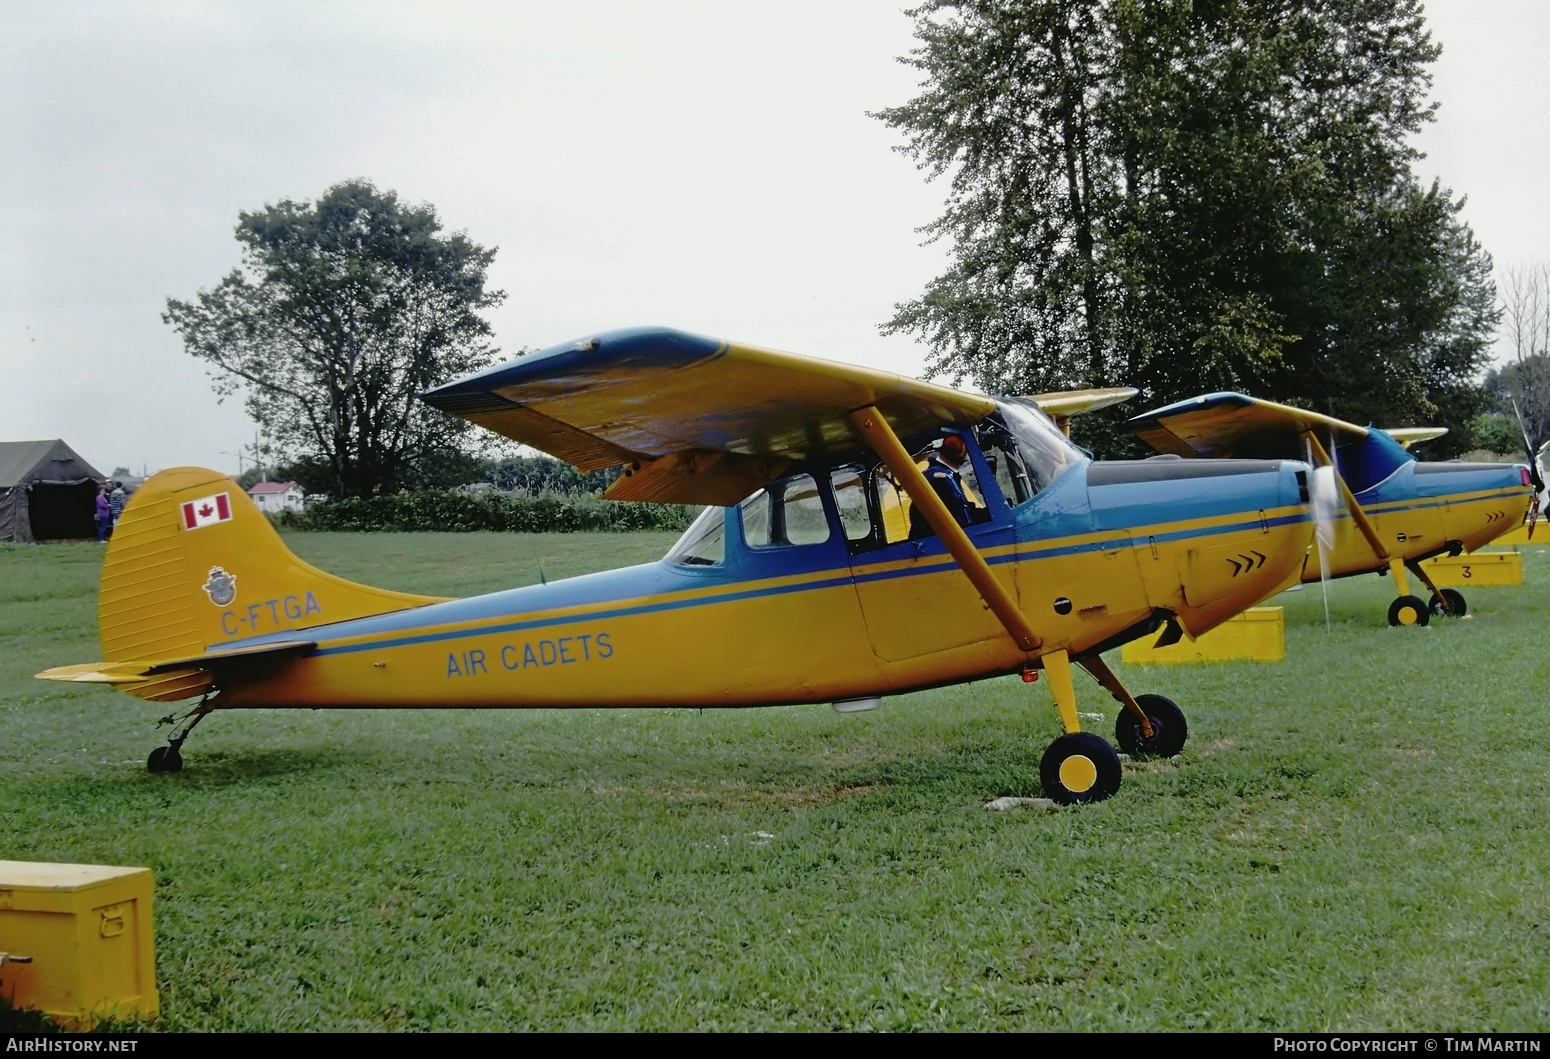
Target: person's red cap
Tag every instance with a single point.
(953, 446)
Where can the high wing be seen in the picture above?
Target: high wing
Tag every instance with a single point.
(1233, 425)
(1242, 427)
(1407, 436)
(1064, 404)
(693, 420)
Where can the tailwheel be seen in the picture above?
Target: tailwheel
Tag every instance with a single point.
(1408, 610)
(1168, 728)
(169, 758)
(164, 759)
(1079, 767)
(1455, 599)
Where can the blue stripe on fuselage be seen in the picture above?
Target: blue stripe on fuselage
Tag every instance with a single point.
(1051, 526)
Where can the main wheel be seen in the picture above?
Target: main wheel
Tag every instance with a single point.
(1408, 610)
(1456, 606)
(164, 759)
(1079, 767)
(1168, 728)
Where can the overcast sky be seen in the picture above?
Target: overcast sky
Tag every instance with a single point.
(703, 165)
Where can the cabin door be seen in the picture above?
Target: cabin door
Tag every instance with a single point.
(915, 599)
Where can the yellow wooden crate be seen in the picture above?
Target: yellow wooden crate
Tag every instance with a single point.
(1256, 635)
(1481, 568)
(77, 941)
(1520, 536)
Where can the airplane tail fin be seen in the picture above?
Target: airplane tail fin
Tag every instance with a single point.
(194, 564)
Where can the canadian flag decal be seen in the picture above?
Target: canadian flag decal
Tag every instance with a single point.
(207, 511)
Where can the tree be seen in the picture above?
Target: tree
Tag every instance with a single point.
(342, 312)
(1524, 380)
(1187, 197)
(541, 474)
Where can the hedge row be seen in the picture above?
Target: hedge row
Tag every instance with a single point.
(446, 510)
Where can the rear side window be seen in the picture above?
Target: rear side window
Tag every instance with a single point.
(788, 512)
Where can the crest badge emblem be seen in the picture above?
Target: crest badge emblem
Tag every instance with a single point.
(221, 587)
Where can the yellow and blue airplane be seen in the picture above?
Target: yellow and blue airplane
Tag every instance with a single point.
(801, 582)
(1397, 510)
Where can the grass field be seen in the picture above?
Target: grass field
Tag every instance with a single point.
(1354, 839)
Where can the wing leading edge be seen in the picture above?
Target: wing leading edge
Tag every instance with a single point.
(1233, 425)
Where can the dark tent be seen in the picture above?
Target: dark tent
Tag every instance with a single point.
(46, 492)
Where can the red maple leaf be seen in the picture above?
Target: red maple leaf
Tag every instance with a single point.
(206, 511)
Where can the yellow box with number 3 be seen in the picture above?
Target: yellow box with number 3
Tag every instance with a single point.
(1481, 568)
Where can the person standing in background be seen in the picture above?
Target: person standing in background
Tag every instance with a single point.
(116, 501)
(104, 514)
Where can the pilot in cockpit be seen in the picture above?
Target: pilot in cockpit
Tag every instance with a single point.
(944, 474)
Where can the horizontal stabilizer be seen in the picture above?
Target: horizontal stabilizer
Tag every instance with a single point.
(168, 679)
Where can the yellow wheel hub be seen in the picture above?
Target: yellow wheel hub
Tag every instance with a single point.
(1408, 616)
(1078, 773)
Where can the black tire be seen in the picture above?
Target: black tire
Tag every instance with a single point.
(1408, 610)
(1079, 768)
(165, 759)
(1455, 600)
(1169, 730)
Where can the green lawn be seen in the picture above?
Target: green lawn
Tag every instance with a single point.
(1354, 839)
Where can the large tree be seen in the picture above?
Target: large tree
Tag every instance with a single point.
(342, 311)
(1522, 384)
(1193, 196)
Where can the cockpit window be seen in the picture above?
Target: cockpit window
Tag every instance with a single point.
(788, 512)
(704, 543)
(1043, 452)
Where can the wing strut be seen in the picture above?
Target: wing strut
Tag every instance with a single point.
(1358, 516)
(875, 429)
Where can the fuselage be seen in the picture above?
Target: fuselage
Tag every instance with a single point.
(811, 591)
(1427, 508)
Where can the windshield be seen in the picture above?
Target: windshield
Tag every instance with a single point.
(704, 543)
(1046, 452)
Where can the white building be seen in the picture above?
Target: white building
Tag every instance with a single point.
(277, 496)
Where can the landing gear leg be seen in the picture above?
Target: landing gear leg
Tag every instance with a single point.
(1079, 766)
(1447, 601)
(1150, 725)
(169, 758)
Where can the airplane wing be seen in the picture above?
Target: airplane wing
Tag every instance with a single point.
(1234, 425)
(1075, 402)
(694, 420)
(1407, 436)
(1063, 405)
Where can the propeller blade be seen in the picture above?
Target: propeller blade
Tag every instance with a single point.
(1324, 498)
(1528, 449)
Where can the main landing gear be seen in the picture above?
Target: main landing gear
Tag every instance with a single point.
(1168, 728)
(1079, 766)
(169, 758)
(1413, 610)
(1408, 610)
(1449, 601)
